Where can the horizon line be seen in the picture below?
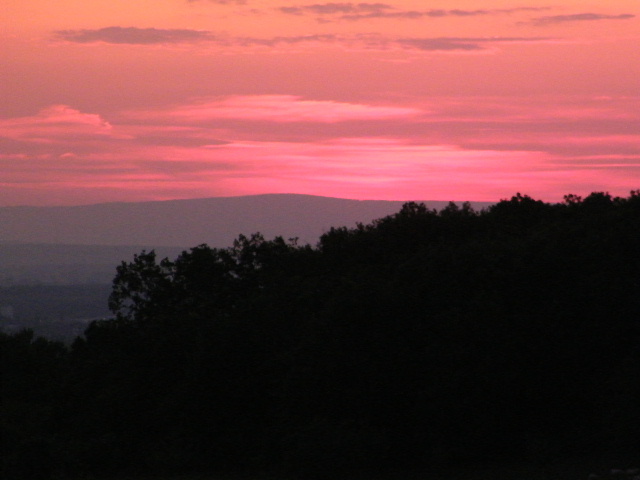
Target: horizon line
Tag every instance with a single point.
(139, 202)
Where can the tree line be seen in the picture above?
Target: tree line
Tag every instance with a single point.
(425, 338)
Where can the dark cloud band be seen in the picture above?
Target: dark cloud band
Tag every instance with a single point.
(133, 35)
(444, 44)
(362, 11)
(578, 17)
(152, 36)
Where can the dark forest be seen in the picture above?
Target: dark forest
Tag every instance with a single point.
(421, 341)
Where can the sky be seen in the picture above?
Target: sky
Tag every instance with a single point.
(121, 100)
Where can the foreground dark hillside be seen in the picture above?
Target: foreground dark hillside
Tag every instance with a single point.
(421, 341)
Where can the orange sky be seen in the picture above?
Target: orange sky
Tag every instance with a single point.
(114, 100)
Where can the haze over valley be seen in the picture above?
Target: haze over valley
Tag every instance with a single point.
(58, 262)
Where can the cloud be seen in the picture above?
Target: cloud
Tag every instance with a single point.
(279, 109)
(338, 8)
(363, 11)
(382, 43)
(446, 147)
(281, 40)
(133, 35)
(386, 168)
(155, 36)
(208, 40)
(450, 44)
(223, 2)
(578, 17)
(440, 44)
(56, 122)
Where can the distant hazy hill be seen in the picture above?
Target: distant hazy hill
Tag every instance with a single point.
(29, 264)
(56, 262)
(187, 223)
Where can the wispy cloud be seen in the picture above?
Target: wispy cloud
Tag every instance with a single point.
(363, 11)
(208, 40)
(280, 109)
(440, 44)
(446, 44)
(578, 17)
(417, 14)
(222, 2)
(282, 143)
(332, 11)
(437, 45)
(382, 42)
(134, 35)
(338, 9)
(153, 36)
(282, 40)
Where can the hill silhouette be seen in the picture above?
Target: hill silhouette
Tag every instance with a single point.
(411, 345)
(184, 223)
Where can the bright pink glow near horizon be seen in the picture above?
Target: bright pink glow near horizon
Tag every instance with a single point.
(115, 100)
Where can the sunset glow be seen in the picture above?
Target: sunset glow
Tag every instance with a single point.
(113, 100)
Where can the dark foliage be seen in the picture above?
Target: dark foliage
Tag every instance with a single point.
(426, 338)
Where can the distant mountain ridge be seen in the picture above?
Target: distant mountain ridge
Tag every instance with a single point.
(215, 221)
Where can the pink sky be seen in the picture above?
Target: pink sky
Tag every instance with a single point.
(120, 100)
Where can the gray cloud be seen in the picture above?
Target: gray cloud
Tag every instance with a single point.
(440, 44)
(152, 36)
(363, 11)
(380, 42)
(435, 13)
(578, 17)
(338, 8)
(133, 35)
(462, 43)
(292, 40)
(411, 14)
